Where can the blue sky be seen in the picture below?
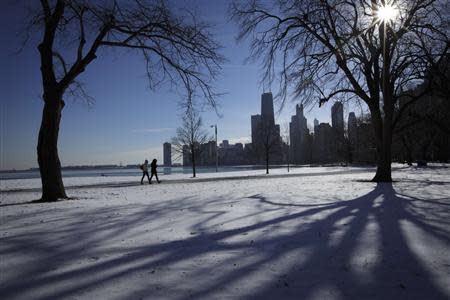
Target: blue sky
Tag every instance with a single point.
(128, 122)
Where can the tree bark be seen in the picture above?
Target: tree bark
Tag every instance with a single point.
(267, 162)
(384, 171)
(383, 132)
(47, 151)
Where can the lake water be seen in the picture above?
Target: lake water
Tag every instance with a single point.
(94, 172)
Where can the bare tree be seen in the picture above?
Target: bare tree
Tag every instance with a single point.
(175, 49)
(190, 136)
(344, 49)
(268, 143)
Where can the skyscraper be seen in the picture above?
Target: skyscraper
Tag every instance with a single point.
(167, 153)
(265, 133)
(267, 108)
(256, 123)
(323, 147)
(316, 123)
(337, 117)
(298, 131)
(352, 127)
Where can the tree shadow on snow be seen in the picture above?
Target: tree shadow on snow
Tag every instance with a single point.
(353, 249)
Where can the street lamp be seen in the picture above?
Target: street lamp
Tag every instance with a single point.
(217, 155)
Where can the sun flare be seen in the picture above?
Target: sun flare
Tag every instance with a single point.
(386, 13)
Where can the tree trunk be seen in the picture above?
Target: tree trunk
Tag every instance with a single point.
(193, 162)
(383, 132)
(267, 162)
(47, 151)
(383, 173)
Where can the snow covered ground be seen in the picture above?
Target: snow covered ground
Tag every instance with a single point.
(315, 234)
(35, 183)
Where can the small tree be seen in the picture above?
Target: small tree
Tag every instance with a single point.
(190, 136)
(175, 49)
(268, 141)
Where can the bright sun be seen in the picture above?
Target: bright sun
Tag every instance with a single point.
(386, 13)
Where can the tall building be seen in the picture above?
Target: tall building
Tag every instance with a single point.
(264, 129)
(337, 117)
(265, 120)
(323, 150)
(316, 123)
(167, 153)
(352, 127)
(267, 108)
(337, 123)
(298, 133)
(256, 123)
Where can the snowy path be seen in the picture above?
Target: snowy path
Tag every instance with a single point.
(305, 237)
(34, 185)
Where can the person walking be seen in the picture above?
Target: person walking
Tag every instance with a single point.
(144, 168)
(153, 167)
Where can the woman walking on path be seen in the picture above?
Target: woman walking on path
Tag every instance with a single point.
(144, 168)
(153, 167)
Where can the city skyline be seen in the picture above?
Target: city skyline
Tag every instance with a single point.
(341, 142)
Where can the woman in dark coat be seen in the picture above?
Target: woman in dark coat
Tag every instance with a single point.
(153, 167)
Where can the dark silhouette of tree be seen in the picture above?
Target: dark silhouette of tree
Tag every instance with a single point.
(190, 136)
(268, 143)
(175, 49)
(342, 49)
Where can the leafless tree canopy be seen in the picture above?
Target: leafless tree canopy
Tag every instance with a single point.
(325, 49)
(190, 136)
(191, 131)
(176, 48)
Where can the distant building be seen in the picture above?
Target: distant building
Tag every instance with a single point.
(352, 126)
(207, 154)
(267, 112)
(225, 144)
(167, 154)
(337, 124)
(256, 123)
(322, 148)
(265, 130)
(337, 117)
(298, 134)
(231, 154)
(316, 122)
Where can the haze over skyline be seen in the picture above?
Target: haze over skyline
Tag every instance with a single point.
(128, 122)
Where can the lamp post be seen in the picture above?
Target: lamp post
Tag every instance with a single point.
(217, 154)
